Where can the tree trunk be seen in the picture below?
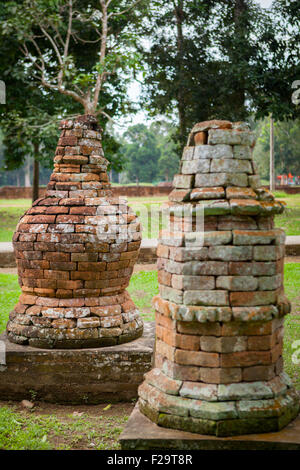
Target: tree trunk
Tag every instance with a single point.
(36, 174)
(27, 172)
(272, 163)
(178, 11)
(238, 97)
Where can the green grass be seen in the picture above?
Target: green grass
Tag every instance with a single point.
(9, 294)
(142, 288)
(15, 203)
(290, 219)
(9, 218)
(27, 431)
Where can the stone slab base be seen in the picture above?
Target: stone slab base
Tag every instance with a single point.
(76, 376)
(142, 434)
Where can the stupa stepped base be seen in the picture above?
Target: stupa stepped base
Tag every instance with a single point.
(220, 410)
(141, 433)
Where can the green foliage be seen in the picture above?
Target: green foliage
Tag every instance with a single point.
(150, 152)
(49, 75)
(286, 147)
(220, 60)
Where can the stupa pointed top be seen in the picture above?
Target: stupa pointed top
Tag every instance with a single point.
(79, 163)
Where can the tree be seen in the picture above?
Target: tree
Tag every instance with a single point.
(286, 146)
(168, 162)
(221, 60)
(52, 36)
(49, 75)
(141, 152)
(175, 61)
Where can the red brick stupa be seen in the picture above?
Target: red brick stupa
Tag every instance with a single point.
(75, 251)
(219, 313)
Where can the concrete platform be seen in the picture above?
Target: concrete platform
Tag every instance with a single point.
(75, 376)
(141, 434)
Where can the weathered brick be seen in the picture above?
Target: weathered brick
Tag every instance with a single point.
(253, 298)
(205, 297)
(197, 358)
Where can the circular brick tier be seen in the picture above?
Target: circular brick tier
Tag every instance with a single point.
(75, 251)
(221, 303)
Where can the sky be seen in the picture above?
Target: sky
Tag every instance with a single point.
(135, 90)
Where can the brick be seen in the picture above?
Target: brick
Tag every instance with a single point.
(221, 179)
(237, 283)
(207, 193)
(268, 253)
(165, 350)
(237, 328)
(230, 222)
(195, 166)
(213, 268)
(62, 323)
(188, 342)
(254, 268)
(261, 343)
(199, 391)
(223, 345)
(230, 137)
(252, 374)
(245, 358)
(253, 298)
(231, 166)
(254, 237)
(200, 138)
(203, 359)
(193, 282)
(164, 277)
(220, 376)
(213, 152)
(194, 328)
(89, 322)
(269, 282)
(205, 297)
(231, 253)
(187, 254)
(183, 181)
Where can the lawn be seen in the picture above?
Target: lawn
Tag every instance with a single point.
(148, 210)
(54, 427)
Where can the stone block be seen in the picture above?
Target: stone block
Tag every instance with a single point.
(207, 193)
(205, 297)
(237, 283)
(230, 253)
(183, 181)
(195, 166)
(212, 152)
(221, 179)
(199, 391)
(231, 166)
(242, 152)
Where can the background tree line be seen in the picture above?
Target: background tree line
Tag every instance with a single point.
(196, 60)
